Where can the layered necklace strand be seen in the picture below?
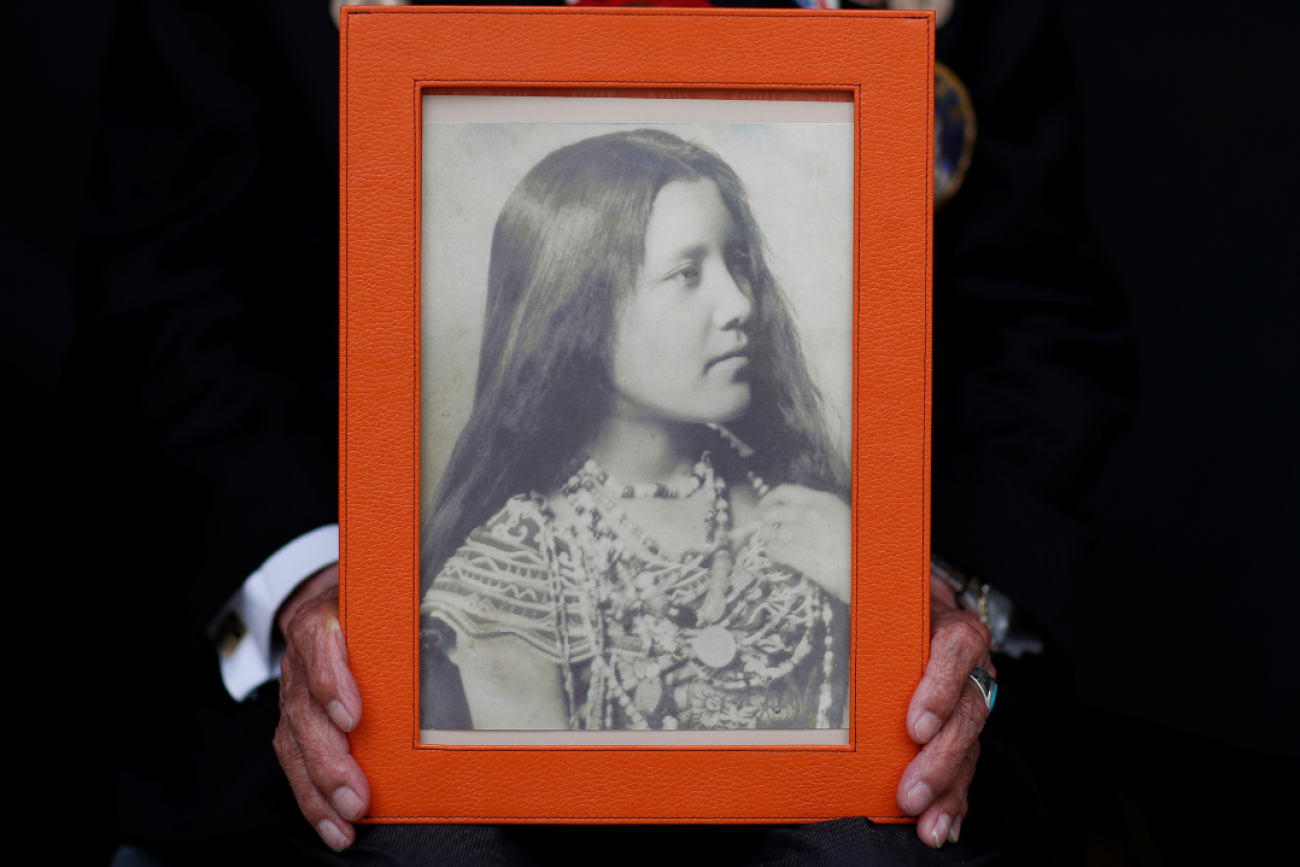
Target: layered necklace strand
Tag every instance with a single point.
(679, 489)
(628, 574)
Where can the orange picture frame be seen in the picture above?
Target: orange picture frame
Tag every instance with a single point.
(884, 63)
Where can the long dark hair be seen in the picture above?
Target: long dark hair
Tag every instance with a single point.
(566, 249)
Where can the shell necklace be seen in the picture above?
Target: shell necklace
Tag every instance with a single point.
(628, 578)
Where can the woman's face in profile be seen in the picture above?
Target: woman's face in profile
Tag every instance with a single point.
(680, 343)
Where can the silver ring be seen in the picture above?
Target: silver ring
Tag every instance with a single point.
(987, 685)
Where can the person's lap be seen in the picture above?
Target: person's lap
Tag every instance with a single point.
(842, 842)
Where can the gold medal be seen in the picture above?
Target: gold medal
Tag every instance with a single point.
(954, 133)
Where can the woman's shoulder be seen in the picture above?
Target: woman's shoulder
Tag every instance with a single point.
(511, 549)
(501, 580)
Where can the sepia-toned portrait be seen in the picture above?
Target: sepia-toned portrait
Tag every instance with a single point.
(636, 393)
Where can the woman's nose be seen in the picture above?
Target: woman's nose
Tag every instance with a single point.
(734, 305)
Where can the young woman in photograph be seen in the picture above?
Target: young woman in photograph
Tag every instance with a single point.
(644, 523)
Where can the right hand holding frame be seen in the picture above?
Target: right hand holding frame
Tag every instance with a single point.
(319, 705)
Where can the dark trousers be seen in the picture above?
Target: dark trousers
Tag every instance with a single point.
(1025, 810)
(826, 844)
(848, 842)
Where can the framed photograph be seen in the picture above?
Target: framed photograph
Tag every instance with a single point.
(634, 410)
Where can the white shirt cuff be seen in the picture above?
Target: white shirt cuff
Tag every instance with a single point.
(243, 628)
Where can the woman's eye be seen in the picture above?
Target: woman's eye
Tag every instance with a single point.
(689, 274)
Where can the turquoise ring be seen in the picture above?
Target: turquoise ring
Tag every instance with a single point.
(987, 685)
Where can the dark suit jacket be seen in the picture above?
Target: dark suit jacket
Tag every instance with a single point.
(1032, 370)
(1117, 408)
(202, 380)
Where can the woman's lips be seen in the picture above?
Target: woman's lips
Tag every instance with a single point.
(738, 355)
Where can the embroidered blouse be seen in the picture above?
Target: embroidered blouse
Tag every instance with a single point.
(623, 628)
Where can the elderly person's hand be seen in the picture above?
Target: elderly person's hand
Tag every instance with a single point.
(946, 716)
(319, 704)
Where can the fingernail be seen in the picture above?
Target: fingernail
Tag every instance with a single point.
(954, 833)
(339, 714)
(926, 726)
(940, 832)
(333, 837)
(347, 803)
(918, 798)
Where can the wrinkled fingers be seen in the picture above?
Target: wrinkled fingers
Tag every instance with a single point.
(323, 748)
(317, 639)
(941, 822)
(959, 642)
(941, 761)
(336, 831)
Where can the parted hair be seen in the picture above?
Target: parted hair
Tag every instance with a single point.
(567, 249)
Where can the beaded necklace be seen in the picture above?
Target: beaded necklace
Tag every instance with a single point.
(680, 489)
(661, 625)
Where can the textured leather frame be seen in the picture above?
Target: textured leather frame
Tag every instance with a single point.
(390, 56)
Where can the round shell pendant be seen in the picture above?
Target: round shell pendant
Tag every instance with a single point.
(715, 647)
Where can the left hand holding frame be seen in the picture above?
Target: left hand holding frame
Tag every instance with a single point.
(946, 717)
(813, 535)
